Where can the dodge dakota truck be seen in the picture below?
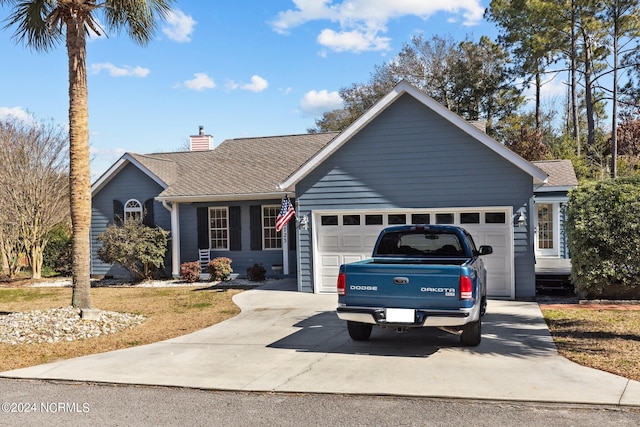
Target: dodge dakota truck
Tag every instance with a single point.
(419, 276)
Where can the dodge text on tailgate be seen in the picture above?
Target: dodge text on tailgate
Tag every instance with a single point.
(419, 276)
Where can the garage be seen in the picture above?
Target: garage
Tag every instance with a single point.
(347, 236)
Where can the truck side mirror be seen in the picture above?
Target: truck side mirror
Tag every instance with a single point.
(485, 250)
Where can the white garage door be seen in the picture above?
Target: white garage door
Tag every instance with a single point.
(347, 236)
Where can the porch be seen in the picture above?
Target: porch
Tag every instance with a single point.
(553, 274)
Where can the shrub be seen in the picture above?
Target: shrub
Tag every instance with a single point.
(138, 248)
(219, 269)
(190, 271)
(57, 253)
(256, 273)
(603, 227)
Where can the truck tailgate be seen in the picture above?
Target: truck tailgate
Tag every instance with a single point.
(404, 285)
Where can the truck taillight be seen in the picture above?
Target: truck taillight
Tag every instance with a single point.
(466, 287)
(342, 283)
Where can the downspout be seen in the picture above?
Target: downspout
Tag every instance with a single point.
(175, 237)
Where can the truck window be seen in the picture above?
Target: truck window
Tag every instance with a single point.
(420, 243)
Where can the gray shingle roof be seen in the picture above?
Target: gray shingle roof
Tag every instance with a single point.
(561, 173)
(244, 166)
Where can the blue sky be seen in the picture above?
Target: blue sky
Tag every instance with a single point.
(239, 68)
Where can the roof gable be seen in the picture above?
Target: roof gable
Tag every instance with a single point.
(401, 89)
(159, 170)
(562, 175)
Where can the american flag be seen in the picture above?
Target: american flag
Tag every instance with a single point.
(285, 214)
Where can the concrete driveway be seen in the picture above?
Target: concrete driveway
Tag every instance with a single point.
(287, 341)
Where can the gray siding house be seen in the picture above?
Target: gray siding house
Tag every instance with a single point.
(406, 160)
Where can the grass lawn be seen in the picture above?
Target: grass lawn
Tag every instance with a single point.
(604, 339)
(170, 312)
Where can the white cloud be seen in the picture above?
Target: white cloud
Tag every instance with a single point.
(361, 22)
(125, 71)
(179, 26)
(353, 41)
(314, 103)
(258, 84)
(16, 113)
(200, 81)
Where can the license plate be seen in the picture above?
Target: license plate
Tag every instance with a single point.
(400, 315)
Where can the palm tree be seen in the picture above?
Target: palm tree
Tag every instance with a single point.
(41, 25)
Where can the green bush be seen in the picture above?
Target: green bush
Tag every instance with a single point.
(603, 227)
(256, 273)
(219, 269)
(190, 271)
(138, 248)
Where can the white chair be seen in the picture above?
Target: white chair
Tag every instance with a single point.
(204, 256)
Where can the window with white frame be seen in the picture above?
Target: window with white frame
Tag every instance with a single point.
(219, 228)
(132, 211)
(271, 239)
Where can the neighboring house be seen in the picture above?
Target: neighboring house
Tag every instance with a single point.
(406, 160)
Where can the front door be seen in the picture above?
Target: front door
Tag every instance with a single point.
(547, 230)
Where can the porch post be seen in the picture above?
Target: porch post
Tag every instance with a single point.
(285, 249)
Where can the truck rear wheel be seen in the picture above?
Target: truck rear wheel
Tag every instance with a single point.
(359, 331)
(471, 334)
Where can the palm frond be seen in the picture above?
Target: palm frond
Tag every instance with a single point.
(138, 17)
(34, 28)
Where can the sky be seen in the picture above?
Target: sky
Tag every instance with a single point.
(241, 68)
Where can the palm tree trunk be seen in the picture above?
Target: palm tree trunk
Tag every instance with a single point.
(79, 172)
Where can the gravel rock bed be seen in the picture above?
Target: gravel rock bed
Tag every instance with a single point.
(61, 324)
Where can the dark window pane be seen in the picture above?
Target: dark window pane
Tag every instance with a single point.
(470, 218)
(420, 218)
(373, 219)
(397, 219)
(495, 218)
(444, 218)
(329, 219)
(351, 220)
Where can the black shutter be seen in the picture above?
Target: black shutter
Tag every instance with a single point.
(255, 223)
(147, 218)
(291, 233)
(202, 219)
(118, 212)
(235, 236)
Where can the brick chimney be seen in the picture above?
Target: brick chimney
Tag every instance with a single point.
(200, 142)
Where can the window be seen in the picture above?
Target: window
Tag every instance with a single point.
(397, 219)
(373, 219)
(219, 228)
(495, 218)
(271, 239)
(132, 211)
(420, 219)
(444, 218)
(351, 220)
(329, 219)
(470, 218)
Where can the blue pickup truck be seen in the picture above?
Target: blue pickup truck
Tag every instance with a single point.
(419, 276)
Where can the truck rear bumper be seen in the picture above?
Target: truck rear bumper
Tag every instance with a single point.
(422, 318)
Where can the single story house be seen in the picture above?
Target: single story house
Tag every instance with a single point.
(406, 160)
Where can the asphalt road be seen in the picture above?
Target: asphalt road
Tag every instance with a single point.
(37, 403)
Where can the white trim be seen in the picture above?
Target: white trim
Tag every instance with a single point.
(403, 87)
(225, 197)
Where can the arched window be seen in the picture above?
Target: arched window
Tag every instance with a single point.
(132, 211)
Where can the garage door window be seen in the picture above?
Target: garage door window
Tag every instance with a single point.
(444, 218)
(373, 219)
(495, 218)
(351, 220)
(329, 219)
(395, 219)
(470, 218)
(420, 219)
